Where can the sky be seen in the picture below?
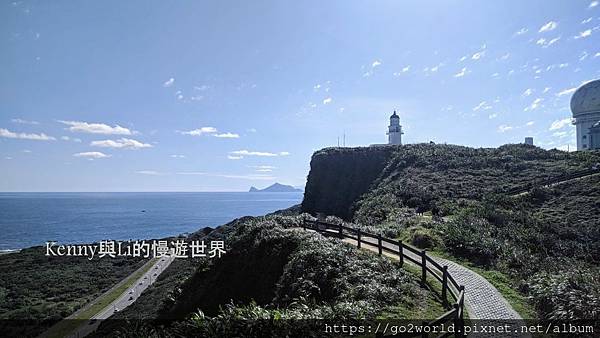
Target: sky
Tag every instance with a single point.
(224, 95)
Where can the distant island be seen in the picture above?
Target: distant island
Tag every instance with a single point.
(276, 187)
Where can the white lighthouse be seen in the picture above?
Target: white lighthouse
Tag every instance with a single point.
(395, 130)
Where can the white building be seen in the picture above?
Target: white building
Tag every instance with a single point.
(395, 130)
(585, 106)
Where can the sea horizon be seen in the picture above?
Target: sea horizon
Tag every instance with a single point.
(33, 218)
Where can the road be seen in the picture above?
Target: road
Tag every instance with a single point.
(134, 292)
(125, 299)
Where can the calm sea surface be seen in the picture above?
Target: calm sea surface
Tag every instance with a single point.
(28, 219)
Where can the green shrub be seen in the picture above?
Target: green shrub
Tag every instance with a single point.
(568, 295)
(424, 238)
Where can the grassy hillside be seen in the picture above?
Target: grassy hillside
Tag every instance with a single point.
(274, 272)
(451, 198)
(47, 289)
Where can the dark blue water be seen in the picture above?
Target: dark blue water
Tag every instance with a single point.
(28, 219)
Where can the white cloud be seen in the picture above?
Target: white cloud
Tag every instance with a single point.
(374, 65)
(492, 116)
(231, 157)
(461, 73)
(24, 136)
(92, 155)
(521, 31)
(547, 43)
(535, 104)
(504, 128)
(551, 25)
(586, 20)
(327, 100)
(483, 105)
(200, 131)
(478, 55)
(262, 166)
(177, 156)
(527, 92)
(169, 82)
(67, 138)
(566, 91)
(593, 4)
(21, 121)
(209, 131)
(201, 88)
(530, 123)
(227, 135)
(584, 34)
(252, 153)
(148, 172)
(559, 124)
(122, 143)
(239, 154)
(96, 128)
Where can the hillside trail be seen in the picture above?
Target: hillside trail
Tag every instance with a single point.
(484, 303)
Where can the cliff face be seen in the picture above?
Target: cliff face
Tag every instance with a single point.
(339, 176)
(370, 182)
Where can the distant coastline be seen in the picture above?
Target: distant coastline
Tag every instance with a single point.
(276, 187)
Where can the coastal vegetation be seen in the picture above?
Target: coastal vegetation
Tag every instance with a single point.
(274, 270)
(452, 199)
(540, 249)
(44, 290)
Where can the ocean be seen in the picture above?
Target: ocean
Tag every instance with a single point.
(30, 219)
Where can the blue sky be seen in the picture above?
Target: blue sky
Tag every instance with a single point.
(222, 95)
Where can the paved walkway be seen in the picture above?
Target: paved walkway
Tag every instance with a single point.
(482, 300)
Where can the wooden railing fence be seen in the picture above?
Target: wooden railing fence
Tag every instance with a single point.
(429, 267)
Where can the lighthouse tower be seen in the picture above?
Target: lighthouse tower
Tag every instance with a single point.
(395, 130)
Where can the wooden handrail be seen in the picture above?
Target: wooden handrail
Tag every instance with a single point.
(425, 262)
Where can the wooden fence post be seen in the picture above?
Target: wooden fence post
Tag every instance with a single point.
(341, 236)
(379, 244)
(445, 285)
(358, 237)
(423, 266)
(401, 253)
(458, 330)
(461, 320)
